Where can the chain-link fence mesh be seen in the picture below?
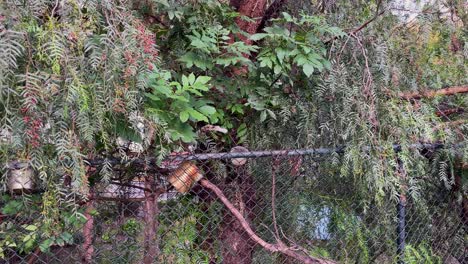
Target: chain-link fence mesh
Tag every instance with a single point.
(290, 208)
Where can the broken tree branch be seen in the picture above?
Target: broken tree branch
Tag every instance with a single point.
(378, 13)
(278, 247)
(433, 93)
(451, 111)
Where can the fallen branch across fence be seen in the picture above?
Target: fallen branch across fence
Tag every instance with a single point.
(279, 246)
(433, 93)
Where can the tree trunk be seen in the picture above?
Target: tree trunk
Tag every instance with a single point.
(88, 249)
(254, 9)
(237, 247)
(151, 244)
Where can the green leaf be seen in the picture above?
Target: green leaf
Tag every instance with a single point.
(188, 58)
(29, 242)
(301, 60)
(31, 228)
(182, 131)
(271, 114)
(60, 241)
(207, 110)
(166, 90)
(203, 79)
(263, 116)
(191, 78)
(152, 97)
(185, 81)
(199, 44)
(277, 69)
(308, 69)
(258, 36)
(67, 237)
(327, 64)
(163, 2)
(184, 116)
(12, 207)
(242, 130)
(281, 54)
(45, 245)
(287, 17)
(197, 115)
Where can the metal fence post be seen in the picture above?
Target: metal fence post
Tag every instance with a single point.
(401, 211)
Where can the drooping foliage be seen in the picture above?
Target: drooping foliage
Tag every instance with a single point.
(84, 80)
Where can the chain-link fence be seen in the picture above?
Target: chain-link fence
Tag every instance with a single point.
(236, 207)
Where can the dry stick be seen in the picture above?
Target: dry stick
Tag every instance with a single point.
(447, 112)
(367, 88)
(429, 94)
(365, 24)
(278, 247)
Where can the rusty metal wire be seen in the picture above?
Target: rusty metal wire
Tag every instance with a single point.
(237, 207)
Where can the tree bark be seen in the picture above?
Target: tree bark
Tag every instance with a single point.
(254, 9)
(151, 244)
(433, 93)
(271, 12)
(88, 249)
(237, 247)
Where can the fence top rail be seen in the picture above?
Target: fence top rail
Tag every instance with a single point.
(252, 154)
(269, 153)
(302, 152)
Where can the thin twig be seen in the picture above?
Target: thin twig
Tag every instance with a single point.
(368, 81)
(132, 186)
(55, 7)
(365, 24)
(377, 14)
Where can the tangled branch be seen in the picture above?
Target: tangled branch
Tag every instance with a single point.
(279, 246)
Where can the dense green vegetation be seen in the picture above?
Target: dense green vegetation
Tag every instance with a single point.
(86, 80)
